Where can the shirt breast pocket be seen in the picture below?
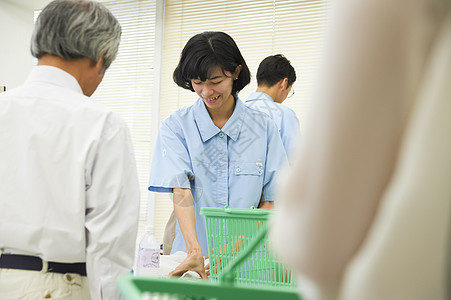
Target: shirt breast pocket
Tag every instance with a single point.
(248, 168)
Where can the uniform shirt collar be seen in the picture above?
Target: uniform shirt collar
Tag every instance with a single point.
(208, 129)
(54, 76)
(259, 96)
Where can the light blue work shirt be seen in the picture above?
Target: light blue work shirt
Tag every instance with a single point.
(229, 166)
(284, 117)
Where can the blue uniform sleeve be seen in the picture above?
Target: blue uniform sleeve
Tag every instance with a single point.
(276, 161)
(290, 132)
(171, 163)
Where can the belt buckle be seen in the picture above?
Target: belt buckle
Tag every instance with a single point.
(45, 266)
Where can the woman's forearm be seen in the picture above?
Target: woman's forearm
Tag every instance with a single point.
(184, 211)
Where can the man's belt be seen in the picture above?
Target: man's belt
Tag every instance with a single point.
(34, 263)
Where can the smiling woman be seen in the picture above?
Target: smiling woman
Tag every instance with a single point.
(212, 66)
(216, 151)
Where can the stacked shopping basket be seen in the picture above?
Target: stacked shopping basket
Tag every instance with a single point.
(242, 264)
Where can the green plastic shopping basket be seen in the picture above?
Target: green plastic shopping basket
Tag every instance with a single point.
(229, 232)
(225, 288)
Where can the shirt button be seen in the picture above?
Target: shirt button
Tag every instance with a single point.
(238, 170)
(221, 134)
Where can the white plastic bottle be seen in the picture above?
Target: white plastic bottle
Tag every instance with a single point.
(148, 262)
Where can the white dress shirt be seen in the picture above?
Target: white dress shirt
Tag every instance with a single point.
(69, 189)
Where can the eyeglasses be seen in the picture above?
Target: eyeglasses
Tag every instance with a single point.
(291, 93)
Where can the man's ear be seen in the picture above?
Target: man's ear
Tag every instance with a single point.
(99, 65)
(283, 83)
(285, 80)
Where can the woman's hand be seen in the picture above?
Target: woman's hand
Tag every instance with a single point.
(193, 262)
(184, 211)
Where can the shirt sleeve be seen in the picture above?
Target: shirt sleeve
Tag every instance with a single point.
(112, 210)
(171, 163)
(276, 161)
(290, 133)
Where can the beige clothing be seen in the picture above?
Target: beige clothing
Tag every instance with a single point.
(32, 285)
(366, 210)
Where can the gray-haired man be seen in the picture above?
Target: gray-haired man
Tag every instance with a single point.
(69, 197)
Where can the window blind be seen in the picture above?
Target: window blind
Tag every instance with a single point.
(260, 28)
(128, 88)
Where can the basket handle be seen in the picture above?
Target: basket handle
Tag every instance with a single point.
(227, 275)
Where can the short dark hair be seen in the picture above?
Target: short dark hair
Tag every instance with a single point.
(274, 68)
(206, 51)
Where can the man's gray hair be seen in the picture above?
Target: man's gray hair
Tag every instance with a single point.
(74, 29)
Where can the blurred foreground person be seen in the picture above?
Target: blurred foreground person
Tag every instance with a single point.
(365, 213)
(69, 196)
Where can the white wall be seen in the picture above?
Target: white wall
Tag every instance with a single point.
(16, 23)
